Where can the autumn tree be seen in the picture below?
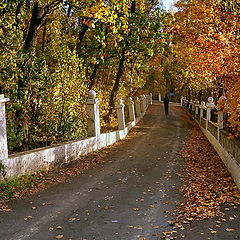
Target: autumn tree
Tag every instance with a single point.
(206, 43)
(54, 51)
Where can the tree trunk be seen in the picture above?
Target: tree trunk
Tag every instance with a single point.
(117, 81)
(18, 10)
(80, 37)
(44, 37)
(120, 66)
(31, 39)
(93, 75)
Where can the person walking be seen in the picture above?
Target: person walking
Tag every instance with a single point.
(166, 103)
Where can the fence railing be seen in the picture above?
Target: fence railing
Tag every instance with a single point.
(205, 113)
(213, 124)
(43, 158)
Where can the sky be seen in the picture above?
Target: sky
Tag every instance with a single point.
(167, 3)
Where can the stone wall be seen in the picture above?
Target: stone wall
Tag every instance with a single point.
(228, 149)
(48, 157)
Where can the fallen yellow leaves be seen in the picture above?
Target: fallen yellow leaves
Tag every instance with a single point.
(59, 237)
(230, 230)
(135, 227)
(48, 178)
(207, 182)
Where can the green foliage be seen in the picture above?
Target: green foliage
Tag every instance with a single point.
(74, 47)
(10, 187)
(2, 169)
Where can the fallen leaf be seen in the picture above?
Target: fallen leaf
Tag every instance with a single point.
(230, 229)
(136, 209)
(166, 233)
(171, 222)
(59, 236)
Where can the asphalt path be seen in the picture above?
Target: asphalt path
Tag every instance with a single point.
(129, 197)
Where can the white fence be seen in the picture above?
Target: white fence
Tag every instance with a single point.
(47, 157)
(228, 149)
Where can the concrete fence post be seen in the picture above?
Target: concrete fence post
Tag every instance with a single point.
(93, 113)
(150, 99)
(159, 97)
(193, 106)
(220, 115)
(131, 109)
(220, 123)
(196, 108)
(137, 107)
(3, 129)
(220, 119)
(182, 100)
(202, 107)
(142, 104)
(190, 104)
(120, 114)
(220, 112)
(147, 100)
(210, 105)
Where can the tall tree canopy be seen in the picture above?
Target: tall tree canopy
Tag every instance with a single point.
(54, 51)
(205, 45)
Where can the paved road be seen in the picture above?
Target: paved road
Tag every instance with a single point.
(129, 197)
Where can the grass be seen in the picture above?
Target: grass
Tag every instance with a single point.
(11, 187)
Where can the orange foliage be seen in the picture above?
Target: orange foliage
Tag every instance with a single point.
(206, 40)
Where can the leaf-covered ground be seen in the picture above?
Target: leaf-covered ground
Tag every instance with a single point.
(206, 181)
(30, 184)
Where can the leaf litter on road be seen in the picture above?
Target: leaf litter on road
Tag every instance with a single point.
(206, 181)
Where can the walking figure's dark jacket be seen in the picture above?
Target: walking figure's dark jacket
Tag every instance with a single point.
(166, 102)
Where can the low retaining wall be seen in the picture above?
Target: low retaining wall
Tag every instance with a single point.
(227, 149)
(49, 157)
(45, 158)
(229, 153)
